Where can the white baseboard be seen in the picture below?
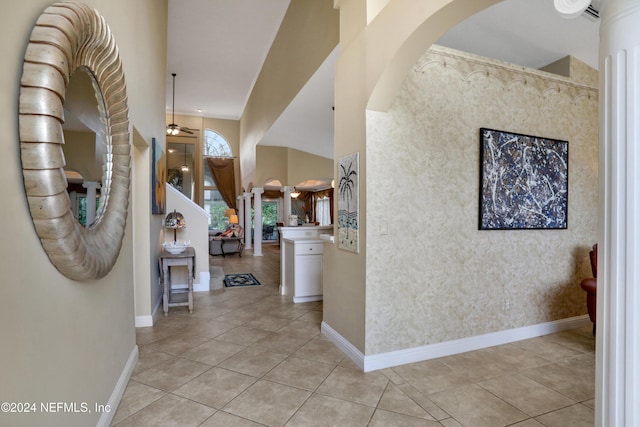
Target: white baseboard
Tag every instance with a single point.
(144, 321)
(345, 346)
(203, 286)
(148, 320)
(307, 299)
(417, 354)
(114, 400)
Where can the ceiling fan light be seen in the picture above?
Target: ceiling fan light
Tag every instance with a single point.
(184, 168)
(173, 129)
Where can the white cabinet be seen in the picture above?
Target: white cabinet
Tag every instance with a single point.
(294, 233)
(303, 271)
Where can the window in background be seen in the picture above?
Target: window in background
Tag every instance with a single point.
(214, 145)
(214, 205)
(269, 219)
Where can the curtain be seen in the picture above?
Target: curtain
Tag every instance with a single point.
(306, 198)
(323, 211)
(224, 177)
(309, 199)
(327, 193)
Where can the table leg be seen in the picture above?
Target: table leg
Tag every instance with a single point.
(167, 286)
(190, 281)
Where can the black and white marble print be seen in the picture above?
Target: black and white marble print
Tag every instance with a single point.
(524, 181)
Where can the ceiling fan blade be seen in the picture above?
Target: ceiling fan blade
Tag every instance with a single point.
(186, 130)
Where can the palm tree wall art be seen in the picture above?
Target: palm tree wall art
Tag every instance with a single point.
(348, 206)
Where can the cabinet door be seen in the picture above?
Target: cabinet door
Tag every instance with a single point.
(308, 272)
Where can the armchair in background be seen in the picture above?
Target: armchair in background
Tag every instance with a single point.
(229, 242)
(590, 286)
(267, 232)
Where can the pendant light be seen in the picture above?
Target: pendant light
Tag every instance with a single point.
(173, 128)
(185, 167)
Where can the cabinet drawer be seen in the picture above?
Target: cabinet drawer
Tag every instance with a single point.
(308, 248)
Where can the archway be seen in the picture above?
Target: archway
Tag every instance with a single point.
(421, 27)
(373, 63)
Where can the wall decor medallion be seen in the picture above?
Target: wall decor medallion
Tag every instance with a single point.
(523, 181)
(70, 37)
(348, 203)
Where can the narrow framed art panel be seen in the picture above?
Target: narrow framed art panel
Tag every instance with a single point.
(348, 203)
(524, 181)
(158, 178)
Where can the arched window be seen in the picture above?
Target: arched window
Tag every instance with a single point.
(215, 145)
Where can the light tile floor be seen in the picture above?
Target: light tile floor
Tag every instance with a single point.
(248, 357)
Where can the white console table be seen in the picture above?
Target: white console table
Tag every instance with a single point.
(304, 232)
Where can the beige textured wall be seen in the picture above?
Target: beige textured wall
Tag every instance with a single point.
(67, 341)
(434, 277)
(574, 68)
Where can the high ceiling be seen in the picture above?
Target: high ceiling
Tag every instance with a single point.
(217, 48)
(528, 33)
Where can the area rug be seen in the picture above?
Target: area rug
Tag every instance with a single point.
(237, 280)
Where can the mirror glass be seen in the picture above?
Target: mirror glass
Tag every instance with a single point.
(180, 167)
(84, 148)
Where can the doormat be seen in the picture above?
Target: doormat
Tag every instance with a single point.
(236, 280)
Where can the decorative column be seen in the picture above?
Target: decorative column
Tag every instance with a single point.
(91, 187)
(287, 204)
(257, 220)
(618, 305)
(240, 205)
(618, 325)
(247, 220)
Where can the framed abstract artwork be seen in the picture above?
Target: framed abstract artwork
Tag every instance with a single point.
(348, 203)
(158, 178)
(523, 181)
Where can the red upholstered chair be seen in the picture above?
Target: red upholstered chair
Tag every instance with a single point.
(590, 286)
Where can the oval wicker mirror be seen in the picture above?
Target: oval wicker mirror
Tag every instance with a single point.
(68, 37)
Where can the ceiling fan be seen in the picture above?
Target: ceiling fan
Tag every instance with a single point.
(173, 129)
